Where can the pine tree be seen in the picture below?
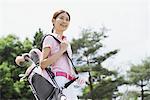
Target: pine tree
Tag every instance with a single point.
(86, 50)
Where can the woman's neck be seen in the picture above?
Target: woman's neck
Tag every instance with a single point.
(59, 33)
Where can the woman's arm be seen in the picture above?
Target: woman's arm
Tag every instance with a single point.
(45, 61)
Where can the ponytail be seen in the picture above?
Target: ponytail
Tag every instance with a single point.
(53, 29)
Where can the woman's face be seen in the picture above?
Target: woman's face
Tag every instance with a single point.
(61, 23)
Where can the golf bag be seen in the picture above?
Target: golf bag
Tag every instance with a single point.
(42, 87)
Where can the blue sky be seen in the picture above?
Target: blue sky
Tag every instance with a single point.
(128, 21)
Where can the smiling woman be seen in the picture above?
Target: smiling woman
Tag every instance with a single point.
(60, 21)
(54, 54)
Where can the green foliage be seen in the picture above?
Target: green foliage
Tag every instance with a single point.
(6, 81)
(131, 95)
(140, 72)
(139, 75)
(27, 45)
(8, 46)
(88, 43)
(37, 39)
(105, 89)
(11, 88)
(87, 47)
(102, 83)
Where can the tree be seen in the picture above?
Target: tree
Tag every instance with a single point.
(37, 39)
(139, 75)
(8, 47)
(130, 95)
(10, 86)
(86, 51)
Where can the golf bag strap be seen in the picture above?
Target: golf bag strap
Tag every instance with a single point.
(70, 82)
(65, 52)
(51, 74)
(31, 71)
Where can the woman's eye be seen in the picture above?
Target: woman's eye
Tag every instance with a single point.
(62, 18)
(67, 19)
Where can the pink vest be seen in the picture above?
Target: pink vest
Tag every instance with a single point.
(63, 63)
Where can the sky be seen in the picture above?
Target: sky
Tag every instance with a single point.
(127, 21)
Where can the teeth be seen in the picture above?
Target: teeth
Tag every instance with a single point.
(63, 25)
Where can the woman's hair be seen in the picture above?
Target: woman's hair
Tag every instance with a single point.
(56, 14)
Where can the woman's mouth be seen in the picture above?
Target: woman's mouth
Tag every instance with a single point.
(63, 25)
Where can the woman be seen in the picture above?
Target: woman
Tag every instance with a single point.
(54, 53)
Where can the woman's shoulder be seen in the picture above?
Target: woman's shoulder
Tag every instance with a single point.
(48, 37)
(47, 41)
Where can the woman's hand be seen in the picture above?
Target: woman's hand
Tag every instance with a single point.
(63, 46)
(80, 81)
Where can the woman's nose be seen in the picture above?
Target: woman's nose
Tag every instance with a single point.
(64, 20)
